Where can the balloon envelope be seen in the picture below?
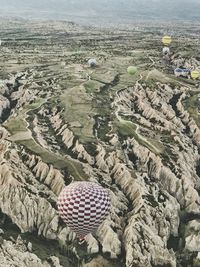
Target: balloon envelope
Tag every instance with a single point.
(131, 70)
(166, 50)
(166, 40)
(195, 74)
(83, 206)
(92, 62)
(182, 72)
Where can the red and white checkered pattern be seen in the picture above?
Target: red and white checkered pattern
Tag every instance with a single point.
(83, 206)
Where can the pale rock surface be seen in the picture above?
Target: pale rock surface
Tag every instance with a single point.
(109, 239)
(98, 262)
(46, 173)
(17, 254)
(100, 159)
(4, 104)
(82, 153)
(192, 236)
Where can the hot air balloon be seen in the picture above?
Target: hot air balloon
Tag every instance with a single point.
(92, 62)
(195, 74)
(83, 206)
(166, 40)
(182, 72)
(166, 50)
(131, 70)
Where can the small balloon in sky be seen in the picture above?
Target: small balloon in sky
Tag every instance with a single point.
(166, 40)
(131, 70)
(195, 74)
(92, 62)
(166, 50)
(182, 72)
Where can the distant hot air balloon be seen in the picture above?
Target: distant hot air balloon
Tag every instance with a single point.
(166, 50)
(195, 74)
(131, 70)
(177, 72)
(182, 72)
(83, 206)
(92, 62)
(166, 40)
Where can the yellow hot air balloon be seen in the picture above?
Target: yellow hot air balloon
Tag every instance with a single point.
(195, 74)
(166, 40)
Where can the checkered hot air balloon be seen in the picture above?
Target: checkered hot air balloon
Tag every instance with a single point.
(83, 206)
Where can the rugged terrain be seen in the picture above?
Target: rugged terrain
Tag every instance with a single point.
(138, 136)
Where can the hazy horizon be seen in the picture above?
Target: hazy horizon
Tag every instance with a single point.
(113, 11)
